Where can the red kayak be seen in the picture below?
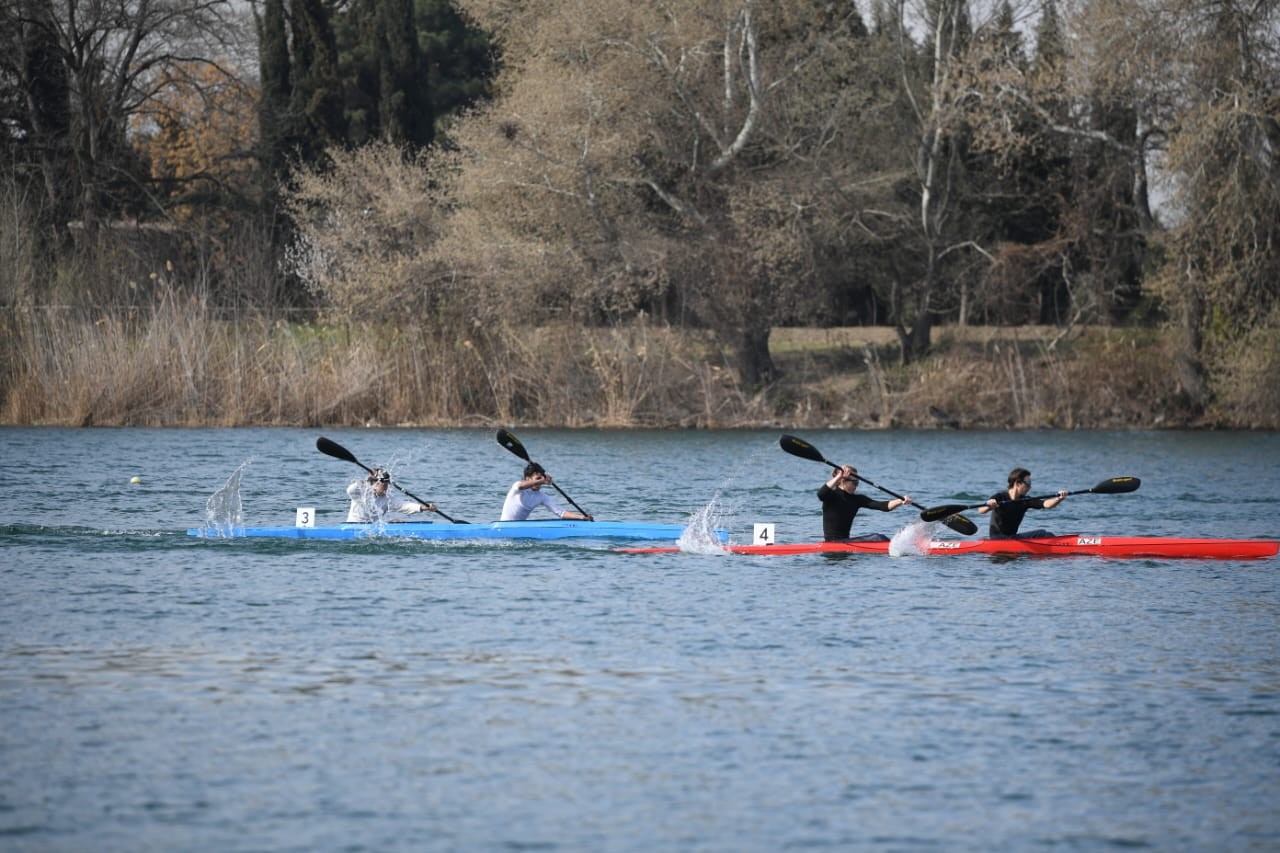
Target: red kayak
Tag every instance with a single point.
(1077, 545)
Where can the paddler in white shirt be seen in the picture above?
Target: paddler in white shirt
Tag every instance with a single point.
(371, 503)
(526, 495)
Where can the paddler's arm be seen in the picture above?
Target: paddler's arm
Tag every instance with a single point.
(1050, 503)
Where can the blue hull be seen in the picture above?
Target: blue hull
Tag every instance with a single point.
(548, 529)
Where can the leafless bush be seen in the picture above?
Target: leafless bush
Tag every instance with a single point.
(1245, 384)
(366, 224)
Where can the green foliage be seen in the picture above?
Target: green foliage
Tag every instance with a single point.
(461, 59)
(407, 64)
(381, 59)
(275, 134)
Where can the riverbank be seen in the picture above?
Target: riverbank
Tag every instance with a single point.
(178, 365)
(1029, 377)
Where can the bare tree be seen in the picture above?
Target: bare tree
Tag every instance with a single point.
(1182, 90)
(88, 69)
(637, 160)
(942, 235)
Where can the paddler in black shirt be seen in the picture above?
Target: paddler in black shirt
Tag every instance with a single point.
(1008, 507)
(840, 503)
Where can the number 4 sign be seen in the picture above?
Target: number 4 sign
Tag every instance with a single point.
(763, 535)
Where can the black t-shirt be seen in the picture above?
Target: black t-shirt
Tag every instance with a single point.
(1006, 518)
(838, 509)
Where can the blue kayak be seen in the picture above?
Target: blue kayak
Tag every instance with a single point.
(536, 529)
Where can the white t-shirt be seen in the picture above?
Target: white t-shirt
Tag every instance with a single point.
(520, 503)
(367, 507)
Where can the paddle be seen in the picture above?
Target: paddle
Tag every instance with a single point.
(1114, 486)
(510, 442)
(805, 450)
(337, 451)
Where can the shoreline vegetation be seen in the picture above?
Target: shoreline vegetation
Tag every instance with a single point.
(180, 363)
(637, 215)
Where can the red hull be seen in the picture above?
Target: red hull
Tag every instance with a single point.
(1078, 545)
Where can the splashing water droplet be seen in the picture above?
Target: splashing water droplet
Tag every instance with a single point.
(699, 536)
(912, 540)
(223, 511)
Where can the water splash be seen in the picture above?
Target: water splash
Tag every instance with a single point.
(912, 540)
(380, 520)
(699, 536)
(224, 512)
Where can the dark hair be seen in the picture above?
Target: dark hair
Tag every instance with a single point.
(377, 475)
(1017, 474)
(533, 468)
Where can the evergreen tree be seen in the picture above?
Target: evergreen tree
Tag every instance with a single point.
(1048, 162)
(461, 58)
(1007, 37)
(348, 74)
(406, 65)
(317, 88)
(275, 118)
(1112, 241)
(404, 97)
(1027, 196)
(1051, 43)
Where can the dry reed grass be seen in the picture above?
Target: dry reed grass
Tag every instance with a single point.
(178, 363)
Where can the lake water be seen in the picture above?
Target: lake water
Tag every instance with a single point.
(163, 692)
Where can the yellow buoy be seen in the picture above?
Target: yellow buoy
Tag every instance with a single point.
(135, 479)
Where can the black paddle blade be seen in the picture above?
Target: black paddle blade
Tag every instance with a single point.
(950, 516)
(1117, 486)
(959, 524)
(510, 442)
(800, 447)
(332, 448)
(938, 513)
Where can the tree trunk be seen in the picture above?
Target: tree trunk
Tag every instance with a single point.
(917, 340)
(755, 365)
(1188, 363)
